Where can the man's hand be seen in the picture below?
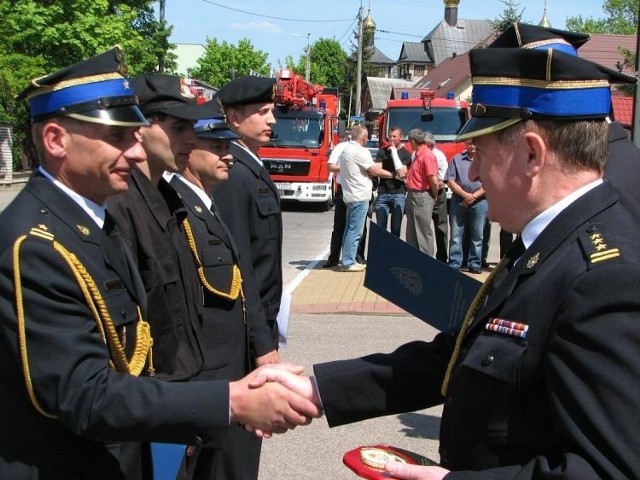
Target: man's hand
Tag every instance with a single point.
(414, 472)
(401, 173)
(299, 384)
(268, 358)
(270, 407)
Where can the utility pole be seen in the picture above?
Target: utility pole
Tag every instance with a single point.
(307, 74)
(161, 19)
(359, 63)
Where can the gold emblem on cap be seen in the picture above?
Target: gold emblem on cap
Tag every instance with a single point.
(84, 230)
(273, 91)
(532, 262)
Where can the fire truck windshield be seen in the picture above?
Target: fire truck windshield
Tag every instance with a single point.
(443, 122)
(297, 128)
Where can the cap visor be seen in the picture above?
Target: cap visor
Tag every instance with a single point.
(123, 116)
(221, 133)
(478, 126)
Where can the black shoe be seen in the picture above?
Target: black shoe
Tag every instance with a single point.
(475, 271)
(485, 264)
(329, 264)
(361, 261)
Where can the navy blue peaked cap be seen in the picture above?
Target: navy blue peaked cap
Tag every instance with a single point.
(247, 90)
(160, 93)
(515, 84)
(216, 127)
(523, 35)
(94, 90)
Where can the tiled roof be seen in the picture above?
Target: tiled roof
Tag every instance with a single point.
(622, 110)
(451, 74)
(413, 52)
(604, 49)
(444, 40)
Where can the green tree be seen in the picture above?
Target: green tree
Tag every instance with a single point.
(622, 19)
(224, 61)
(41, 36)
(509, 16)
(327, 60)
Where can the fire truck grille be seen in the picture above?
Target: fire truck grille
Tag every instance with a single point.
(287, 167)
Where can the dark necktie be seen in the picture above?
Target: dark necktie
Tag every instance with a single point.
(515, 251)
(109, 223)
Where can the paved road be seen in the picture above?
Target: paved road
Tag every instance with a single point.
(315, 452)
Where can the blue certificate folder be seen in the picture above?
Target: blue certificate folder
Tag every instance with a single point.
(417, 283)
(167, 458)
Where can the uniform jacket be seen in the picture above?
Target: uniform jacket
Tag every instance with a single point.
(149, 219)
(561, 403)
(224, 330)
(230, 340)
(95, 405)
(250, 205)
(623, 164)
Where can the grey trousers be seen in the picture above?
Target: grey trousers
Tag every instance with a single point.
(419, 209)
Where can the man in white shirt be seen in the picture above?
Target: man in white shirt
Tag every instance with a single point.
(356, 169)
(340, 212)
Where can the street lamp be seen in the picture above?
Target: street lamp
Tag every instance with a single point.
(308, 70)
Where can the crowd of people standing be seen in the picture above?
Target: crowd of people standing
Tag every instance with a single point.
(413, 178)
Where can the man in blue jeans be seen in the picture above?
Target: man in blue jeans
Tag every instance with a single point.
(356, 169)
(468, 206)
(392, 193)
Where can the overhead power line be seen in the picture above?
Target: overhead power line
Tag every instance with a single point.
(398, 33)
(306, 20)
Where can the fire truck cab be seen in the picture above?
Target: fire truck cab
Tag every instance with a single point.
(306, 130)
(443, 117)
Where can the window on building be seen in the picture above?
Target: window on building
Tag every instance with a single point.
(418, 70)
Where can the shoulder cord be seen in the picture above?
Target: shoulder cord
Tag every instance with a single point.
(236, 281)
(474, 308)
(143, 349)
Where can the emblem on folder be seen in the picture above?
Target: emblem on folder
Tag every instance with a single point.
(409, 279)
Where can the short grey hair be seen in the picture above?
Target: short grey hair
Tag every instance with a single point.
(358, 132)
(429, 139)
(417, 136)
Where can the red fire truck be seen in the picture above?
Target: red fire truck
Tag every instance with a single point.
(306, 130)
(443, 117)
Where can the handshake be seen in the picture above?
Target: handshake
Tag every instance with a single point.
(273, 399)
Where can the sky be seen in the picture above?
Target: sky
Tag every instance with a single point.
(283, 27)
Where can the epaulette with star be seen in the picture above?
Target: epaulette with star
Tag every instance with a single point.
(596, 247)
(41, 231)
